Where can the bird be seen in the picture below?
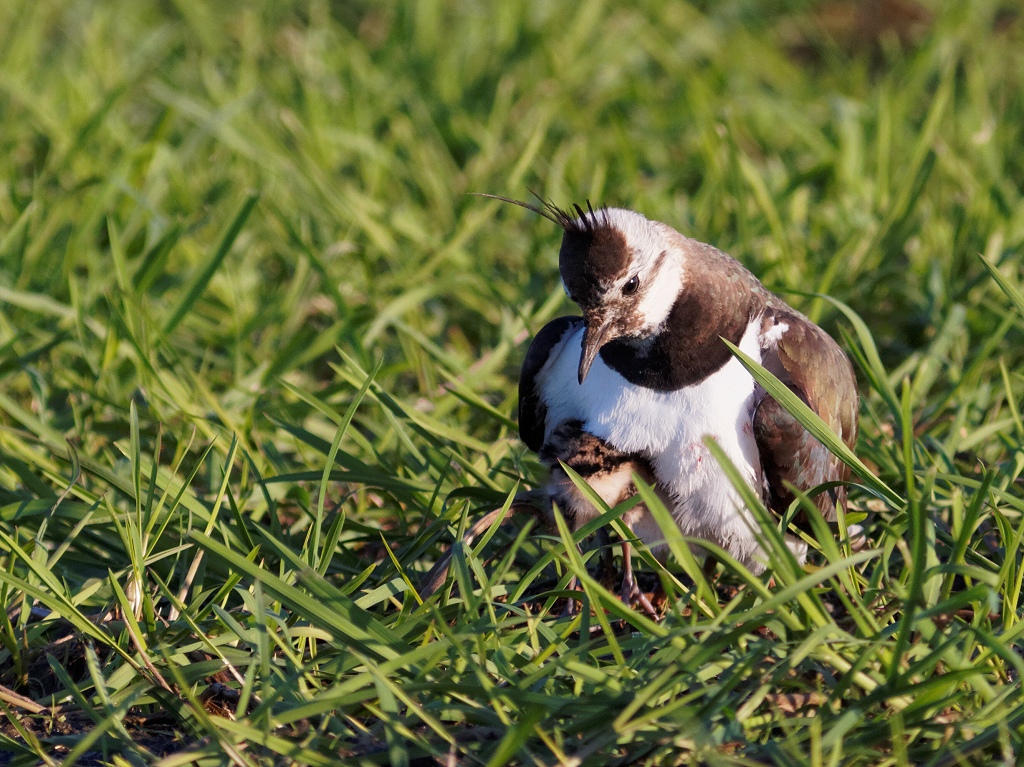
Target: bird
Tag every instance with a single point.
(609, 472)
(642, 378)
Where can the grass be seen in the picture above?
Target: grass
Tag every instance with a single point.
(259, 351)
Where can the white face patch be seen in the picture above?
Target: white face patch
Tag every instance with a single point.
(654, 260)
(659, 296)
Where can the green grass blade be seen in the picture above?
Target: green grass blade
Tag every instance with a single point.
(341, 617)
(203, 277)
(1013, 293)
(813, 423)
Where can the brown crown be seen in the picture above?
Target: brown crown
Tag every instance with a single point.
(593, 252)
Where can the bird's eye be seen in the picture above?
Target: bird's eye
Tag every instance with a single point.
(632, 286)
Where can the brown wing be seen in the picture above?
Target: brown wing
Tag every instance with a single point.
(811, 363)
(533, 412)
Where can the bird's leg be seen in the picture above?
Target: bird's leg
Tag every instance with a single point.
(630, 589)
(571, 603)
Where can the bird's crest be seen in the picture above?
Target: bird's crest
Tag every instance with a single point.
(593, 254)
(583, 222)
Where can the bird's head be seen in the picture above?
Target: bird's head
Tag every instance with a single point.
(622, 271)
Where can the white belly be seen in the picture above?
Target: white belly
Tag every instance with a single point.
(669, 429)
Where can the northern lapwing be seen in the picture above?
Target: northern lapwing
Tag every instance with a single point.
(642, 378)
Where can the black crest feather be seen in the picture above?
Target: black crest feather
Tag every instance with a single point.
(581, 223)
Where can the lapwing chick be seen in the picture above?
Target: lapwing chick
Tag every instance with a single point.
(610, 473)
(644, 373)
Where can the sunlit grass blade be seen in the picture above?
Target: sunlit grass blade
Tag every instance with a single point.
(1013, 293)
(813, 423)
(341, 616)
(335, 445)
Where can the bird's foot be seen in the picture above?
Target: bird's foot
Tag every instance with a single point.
(631, 592)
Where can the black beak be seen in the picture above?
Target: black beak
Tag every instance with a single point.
(594, 337)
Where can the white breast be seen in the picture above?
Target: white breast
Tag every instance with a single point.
(669, 429)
